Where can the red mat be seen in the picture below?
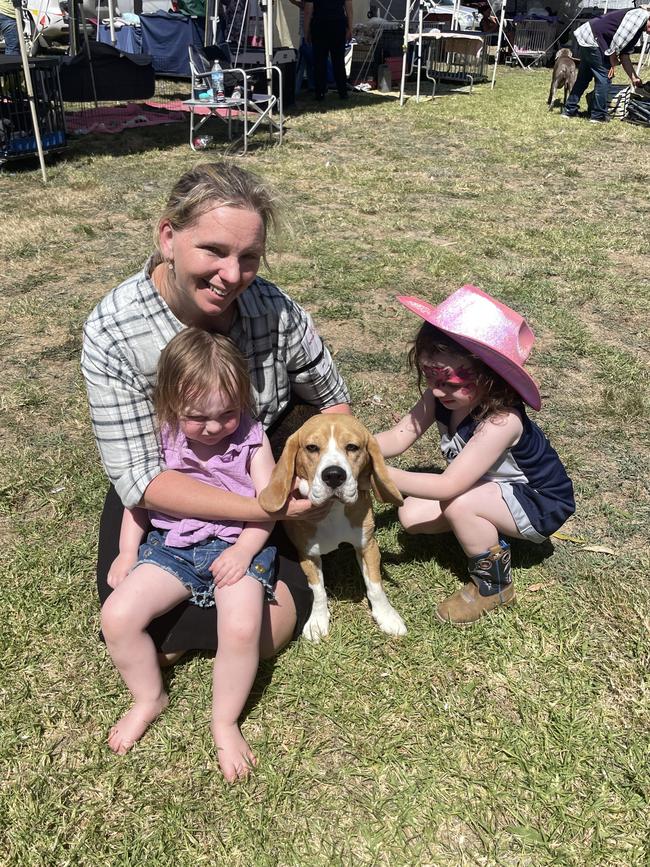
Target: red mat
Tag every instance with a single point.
(118, 118)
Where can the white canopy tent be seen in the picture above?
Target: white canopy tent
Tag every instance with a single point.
(29, 85)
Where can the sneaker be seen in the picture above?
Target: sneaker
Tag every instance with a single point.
(598, 120)
(566, 116)
(466, 605)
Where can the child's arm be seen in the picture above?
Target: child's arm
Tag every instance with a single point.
(134, 526)
(490, 440)
(232, 565)
(408, 429)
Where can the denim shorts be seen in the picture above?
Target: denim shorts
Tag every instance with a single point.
(192, 565)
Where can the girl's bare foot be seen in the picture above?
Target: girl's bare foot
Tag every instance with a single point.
(134, 724)
(235, 757)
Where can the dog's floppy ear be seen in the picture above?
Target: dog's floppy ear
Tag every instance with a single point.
(275, 494)
(382, 485)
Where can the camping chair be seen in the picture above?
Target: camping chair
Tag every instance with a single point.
(250, 109)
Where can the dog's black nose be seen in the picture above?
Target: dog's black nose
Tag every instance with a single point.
(333, 476)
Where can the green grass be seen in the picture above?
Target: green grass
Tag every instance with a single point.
(522, 741)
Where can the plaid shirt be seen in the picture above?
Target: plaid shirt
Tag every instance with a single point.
(123, 339)
(632, 21)
(628, 27)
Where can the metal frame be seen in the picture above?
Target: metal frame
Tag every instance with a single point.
(444, 61)
(455, 57)
(532, 39)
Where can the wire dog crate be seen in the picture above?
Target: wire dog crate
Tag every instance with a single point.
(532, 40)
(17, 138)
(456, 57)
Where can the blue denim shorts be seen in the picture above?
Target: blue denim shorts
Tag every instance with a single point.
(192, 565)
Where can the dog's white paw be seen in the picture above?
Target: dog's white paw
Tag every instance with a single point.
(317, 627)
(388, 620)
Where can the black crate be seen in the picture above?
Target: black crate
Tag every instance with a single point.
(17, 137)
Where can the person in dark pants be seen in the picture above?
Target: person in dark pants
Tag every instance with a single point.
(604, 43)
(328, 26)
(8, 29)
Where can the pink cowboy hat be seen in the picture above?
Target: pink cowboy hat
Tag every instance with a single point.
(496, 334)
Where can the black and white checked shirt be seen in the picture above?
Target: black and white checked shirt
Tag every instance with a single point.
(632, 21)
(123, 339)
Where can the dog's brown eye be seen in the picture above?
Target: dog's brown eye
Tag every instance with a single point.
(313, 448)
(352, 447)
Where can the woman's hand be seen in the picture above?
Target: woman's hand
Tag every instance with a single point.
(299, 508)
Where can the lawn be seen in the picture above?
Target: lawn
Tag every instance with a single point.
(520, 741)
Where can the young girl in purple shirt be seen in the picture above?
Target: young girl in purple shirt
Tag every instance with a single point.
(203, 404)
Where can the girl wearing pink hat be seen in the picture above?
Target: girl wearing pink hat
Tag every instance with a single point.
(503, 478)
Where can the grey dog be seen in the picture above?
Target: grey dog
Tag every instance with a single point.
(565, 73)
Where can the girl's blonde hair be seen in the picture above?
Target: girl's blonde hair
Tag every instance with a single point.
(210, 185)
(498, 396)
(193, 366)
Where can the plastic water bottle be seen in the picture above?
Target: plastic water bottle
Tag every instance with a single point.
(217, 81)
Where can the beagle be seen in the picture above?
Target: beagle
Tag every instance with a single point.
(334, 457)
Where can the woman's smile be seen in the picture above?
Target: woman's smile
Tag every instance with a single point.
(214, 260)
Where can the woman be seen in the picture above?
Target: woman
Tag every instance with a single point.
(209, 244)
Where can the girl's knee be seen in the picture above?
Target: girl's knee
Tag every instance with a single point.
(117, 618)
(240, 632)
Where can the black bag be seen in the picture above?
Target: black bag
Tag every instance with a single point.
(638, 111)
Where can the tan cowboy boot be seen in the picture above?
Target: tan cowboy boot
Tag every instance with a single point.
(491, 586)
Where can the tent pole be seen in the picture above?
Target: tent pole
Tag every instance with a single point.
(420, 27)
(18, 14)
(73, 38)
(111, 22)
(405, 49)
(90, 57)
(496, 58)
(644, 48)
(267, 10)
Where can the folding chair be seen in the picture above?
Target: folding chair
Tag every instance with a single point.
(250, 109)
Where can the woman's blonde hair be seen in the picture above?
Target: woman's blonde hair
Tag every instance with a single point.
(193, 366)
(498, 396)
(210, 185)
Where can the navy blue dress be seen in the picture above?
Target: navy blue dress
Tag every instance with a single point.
(533, 482)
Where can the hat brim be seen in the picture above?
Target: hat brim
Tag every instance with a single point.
(513, 373)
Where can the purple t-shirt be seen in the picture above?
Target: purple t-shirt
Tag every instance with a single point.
(228, 471)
